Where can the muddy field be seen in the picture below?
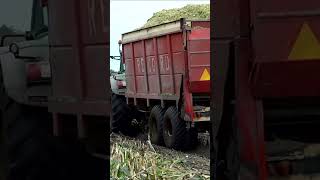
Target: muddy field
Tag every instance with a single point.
(198, 158)
(195, 164)
(202, 149)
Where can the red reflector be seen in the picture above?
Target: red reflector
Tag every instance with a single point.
(33, 72)
(121, 84)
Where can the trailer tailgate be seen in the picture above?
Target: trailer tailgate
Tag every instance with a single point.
(286, 63)
(79, 50)
(199, 57)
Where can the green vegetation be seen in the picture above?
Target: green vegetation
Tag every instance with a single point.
(199, 11)
(135, 160)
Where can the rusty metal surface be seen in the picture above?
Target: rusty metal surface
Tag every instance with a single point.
(78, 36)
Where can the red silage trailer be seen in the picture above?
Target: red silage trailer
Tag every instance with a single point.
(266, 73)
(78, 48)
(168, 72)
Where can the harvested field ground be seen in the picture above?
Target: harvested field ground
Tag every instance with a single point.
(135, 159)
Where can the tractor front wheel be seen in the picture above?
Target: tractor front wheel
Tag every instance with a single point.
(122, 116)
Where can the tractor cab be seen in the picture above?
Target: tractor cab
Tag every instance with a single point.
(38, 25)
(24, 58)
(118, 80)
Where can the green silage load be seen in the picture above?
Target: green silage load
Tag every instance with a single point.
(190, 12)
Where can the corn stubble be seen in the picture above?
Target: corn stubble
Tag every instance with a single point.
(131, 159)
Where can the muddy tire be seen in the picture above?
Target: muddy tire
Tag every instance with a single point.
(28, 142)
(30, 152)
(192, 138)
(23, 140)
(174, 130)
(155, 125)
(9, 113)
(121, 116)
(36, 155)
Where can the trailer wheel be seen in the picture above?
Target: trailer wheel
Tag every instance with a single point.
(174, 130)
(156, 125)
(122, 116)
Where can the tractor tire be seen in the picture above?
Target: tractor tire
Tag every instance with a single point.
(30, 152)
(155, 125)
(174, 130)
(34, 154)
(9, 113)
(122, 116)
(23, 140)
(192, 138)
(27, 145)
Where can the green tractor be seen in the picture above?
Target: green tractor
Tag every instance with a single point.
(126, 120)
(118, 80)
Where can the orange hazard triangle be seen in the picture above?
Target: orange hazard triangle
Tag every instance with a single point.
(205, 75)
(306, 46)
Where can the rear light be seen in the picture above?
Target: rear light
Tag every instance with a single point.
(33, 72)
(121, 84)
(37, 71)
